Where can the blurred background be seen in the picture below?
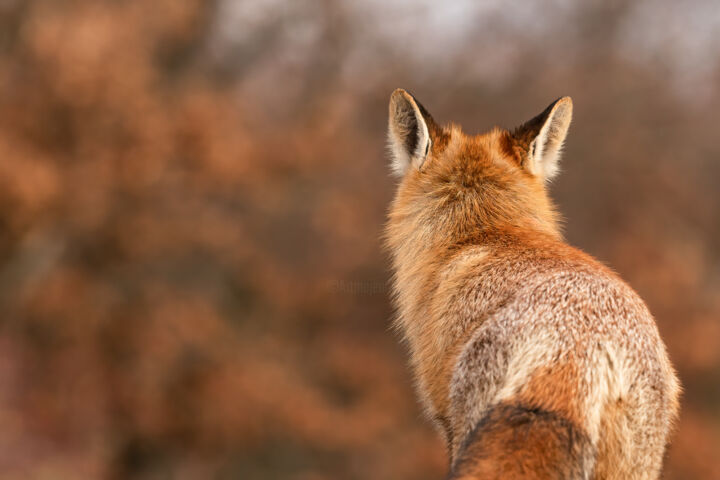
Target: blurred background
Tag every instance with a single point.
(192, 193)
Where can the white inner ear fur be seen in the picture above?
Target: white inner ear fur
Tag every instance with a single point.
(545, 150)
(406, 120)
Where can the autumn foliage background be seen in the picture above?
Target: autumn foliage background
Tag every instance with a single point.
(192, 194)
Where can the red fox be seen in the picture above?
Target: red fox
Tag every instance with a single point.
(534, 360)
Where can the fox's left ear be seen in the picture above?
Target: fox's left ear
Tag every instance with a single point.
(409, 132)
(541, 139)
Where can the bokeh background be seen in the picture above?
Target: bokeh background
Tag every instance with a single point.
(192, 193)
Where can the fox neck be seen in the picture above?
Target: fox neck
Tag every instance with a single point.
(422, 241)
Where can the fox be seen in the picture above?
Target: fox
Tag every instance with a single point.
(532, 359)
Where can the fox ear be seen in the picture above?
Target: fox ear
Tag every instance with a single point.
(408, 133)
(541, 139)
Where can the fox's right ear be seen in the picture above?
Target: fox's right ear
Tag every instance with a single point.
(408, 133)
(541, 139)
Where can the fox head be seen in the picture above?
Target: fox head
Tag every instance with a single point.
(455, 186)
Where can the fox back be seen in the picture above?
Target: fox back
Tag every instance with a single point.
(533, 360)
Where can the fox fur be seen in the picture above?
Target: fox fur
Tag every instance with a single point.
(534, 360)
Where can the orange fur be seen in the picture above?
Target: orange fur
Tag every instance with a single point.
(507, 325)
